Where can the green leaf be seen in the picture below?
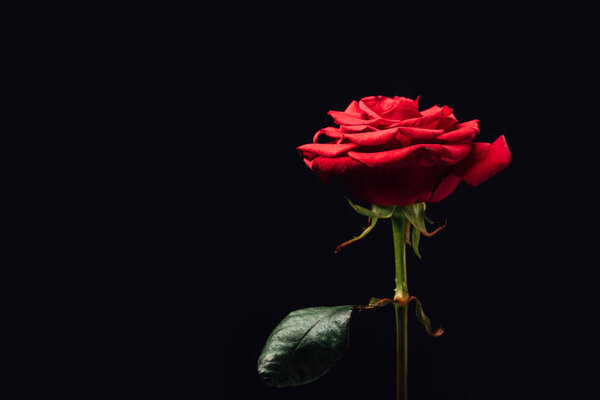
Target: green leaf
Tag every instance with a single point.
(425, 320)
(305, 345)
(375, 211)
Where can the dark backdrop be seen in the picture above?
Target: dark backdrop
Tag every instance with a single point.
(163, 238)
(243, 232)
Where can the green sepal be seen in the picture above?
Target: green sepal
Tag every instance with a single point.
(415, 213)
(375, 211)
(305, 345)
(373, 214)
(425, 320)
(415, 237)
(372, 223)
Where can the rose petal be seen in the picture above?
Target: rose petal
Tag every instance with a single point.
(329, 131)
(449, 154)
(365, 103)
(354, 128)
(435, 110)
(465, 130)
(420, 133)
(430, 117)
(484, 161)
(392, 109)
(399, 183)
(353, 108)
(404, 109)
(444, 188)
(447, 121)
(311, 150)
(326, 167)
(343, 118)
(372, 138)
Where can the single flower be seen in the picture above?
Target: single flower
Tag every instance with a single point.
(387, 152)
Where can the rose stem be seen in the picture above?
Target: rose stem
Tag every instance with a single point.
(401, 306)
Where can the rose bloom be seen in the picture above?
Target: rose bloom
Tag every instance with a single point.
(387, 152)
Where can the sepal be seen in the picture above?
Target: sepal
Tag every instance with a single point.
(368, 229)
(373, 214)
(375, 211)
(415, 237)
(415, 214)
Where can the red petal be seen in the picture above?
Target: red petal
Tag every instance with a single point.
(420, 133)
(392, 109)
(448, 154)
(484, 161)
(372, 138)
(444, 188)
(353, 108)
(312, 150)
(365, 104)
(354, 128)
(329, 131)
(430, 117)
(324, 167)
(343, 118)
(465, 130)
(405, 109)
(400, 183)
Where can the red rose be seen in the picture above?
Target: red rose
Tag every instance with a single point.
(387, 152)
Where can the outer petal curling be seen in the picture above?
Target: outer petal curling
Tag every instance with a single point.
(343, 118)
(484, 161)
(329, 131)
(464, 131)
(444, 188)
(312, 150)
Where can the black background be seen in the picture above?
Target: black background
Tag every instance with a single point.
(209, 228)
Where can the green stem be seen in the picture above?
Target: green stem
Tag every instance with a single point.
(399, 225)
(401, 352)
